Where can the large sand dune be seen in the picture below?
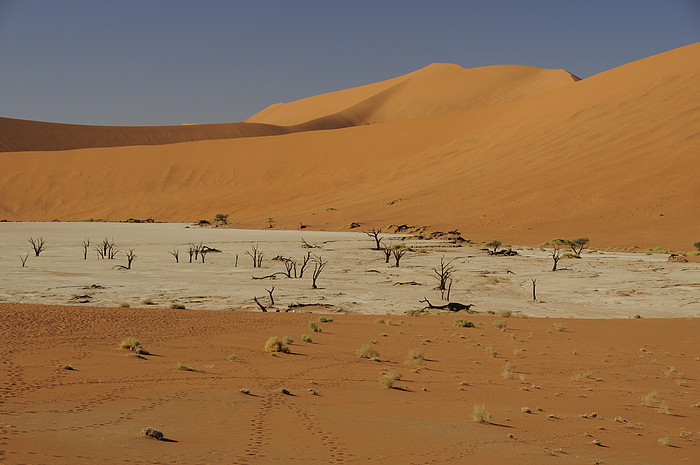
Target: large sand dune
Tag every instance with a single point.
(612, 157)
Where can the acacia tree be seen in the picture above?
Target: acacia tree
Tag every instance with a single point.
(556, 245)
(697, 246)
(374, 234)
(577, 245)
(494, 246)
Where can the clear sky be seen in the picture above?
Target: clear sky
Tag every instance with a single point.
(143, 62)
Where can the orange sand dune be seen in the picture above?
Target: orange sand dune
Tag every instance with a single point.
(612, 157)
(579, 381)
(438, 88)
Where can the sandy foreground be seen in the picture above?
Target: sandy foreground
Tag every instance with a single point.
(356, 279)
(583, 380)
(629, 383)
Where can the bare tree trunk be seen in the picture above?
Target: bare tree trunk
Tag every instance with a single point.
(176, 253)
(272, 299)
(86, 245)
(262, 307)
(534, 286)
(24, 259)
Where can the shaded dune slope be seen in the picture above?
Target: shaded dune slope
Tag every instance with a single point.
(613, 157)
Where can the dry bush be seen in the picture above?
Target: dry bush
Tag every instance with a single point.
(367, 351)
(273, 345)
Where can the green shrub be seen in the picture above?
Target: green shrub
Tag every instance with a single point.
(325, 319)
(367, 351)
(130, 343)
(273, 345)
(185, 367)
(500, 324)
(464, 323)
(287, 340)
(388, 379)
(416, 356)
(306, 338)
(504, 313)
(231, 357)
(314, 327)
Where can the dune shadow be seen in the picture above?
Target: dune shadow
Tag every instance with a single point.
(167, 440)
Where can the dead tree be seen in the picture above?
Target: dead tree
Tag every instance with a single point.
(374, 234)
(176, 253)
(196, 249)
(306, 245)
(255, 254)
(236, 263)
(534, 285)
(445, 293)
(24, 259)
(130, 256)
(203, 253)
(304, 262)
(319, 264)
(444, 273)
(398, 252)
(272, 299)
(387, 253)
(190, 251)
(86, 246)
(556, 250)
(291, 266)
(262, 307)
(37, 245)
(107, 249)
(452, 306)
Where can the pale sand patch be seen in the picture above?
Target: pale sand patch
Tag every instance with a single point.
(355, 280)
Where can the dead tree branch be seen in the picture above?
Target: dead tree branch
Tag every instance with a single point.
(37, 244)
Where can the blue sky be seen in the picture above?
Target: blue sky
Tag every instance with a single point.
(127, 62)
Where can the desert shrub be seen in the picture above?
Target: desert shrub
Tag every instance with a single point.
(68, 367)
(413, 312)
(559, 326)
(649, 399)
(325, 319)
(464, 323)
(416, 356)
(388, 379)
(697, 245)
(177, 306)
(284, 391)
(504, 313)
(221, 218)
(231, 357)
(664, 408)
(185, 367)
(146, 302)
(379, 321)
(665, 441)
(287, 340)
(480, 414)
(152, 433)
(130, 343)
(306, 338)
(273, 345)
(491, 351)
(314, 327)
(244, 391)
(367, 351)
(508, 371)
(500, 324)
(124, 305)
(494, 245)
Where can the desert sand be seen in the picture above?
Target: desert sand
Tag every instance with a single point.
(536, 155)
(582, 381)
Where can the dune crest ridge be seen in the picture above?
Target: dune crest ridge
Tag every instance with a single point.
(612, 157)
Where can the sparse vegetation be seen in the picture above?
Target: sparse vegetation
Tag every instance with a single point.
(176, 306)
(287, 340)
(306, 338)
(464, 323)
(147, 302)
(500, 324)
(416, 356)
(577, 245)
(130, 343)
(390, 378)
(152, 433)
(556, 245)
(508, 371)
(325, 319)
(221, 218)
(185, 367)
(37, 244)
(649, 399)
(491, 351)
(559, 326)
(480, 414)
(231, 357)
(314, 327)
(274, 345)
(697, 245)
(665, 441)
(124, 305)
(664, 408)
(367, 351)
(494, 245)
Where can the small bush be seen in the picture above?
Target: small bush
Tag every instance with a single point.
(388, 379)
(559, 326)
(325, 319)
(287, 340)
(379, 321)
(184, 367)
(177, 306)
(306, 338)
(146, 302)
(491, 351)
(664, 408)
(231, 357)
(665, 441)
(314, 327)
(273, 345)
(367, 351)
(504, 313)
(68, 367)
(124, 305)
(244, 391)
(130, 343)
(413, 312)
(649, 399)
(508, 371)
(464, 323)
(480, 414)
(416, 356)
(500, 324)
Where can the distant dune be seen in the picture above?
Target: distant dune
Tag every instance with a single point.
(509, 152)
